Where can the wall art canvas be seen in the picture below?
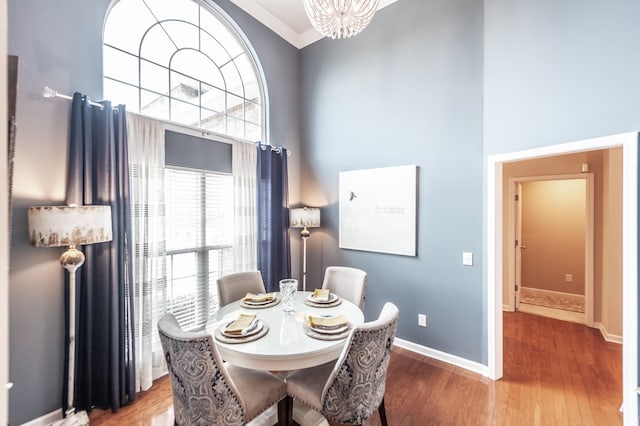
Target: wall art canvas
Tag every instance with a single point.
(377, 210)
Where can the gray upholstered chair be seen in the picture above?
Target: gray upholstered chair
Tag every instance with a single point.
(233, 287)
(348, 283)
(350, 390)
(208, 392)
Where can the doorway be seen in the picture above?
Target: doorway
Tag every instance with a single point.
(550, 265)
(629, 254)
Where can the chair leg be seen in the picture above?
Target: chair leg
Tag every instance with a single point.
(383, 413)
(288, 407)
(283, 411)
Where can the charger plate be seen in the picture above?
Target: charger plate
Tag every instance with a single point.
(224, 339)
(323, 305)
(324, 336)
(274, 302)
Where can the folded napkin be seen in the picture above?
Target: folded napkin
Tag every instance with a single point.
(250, 297)
(328, 323)
(321, 294)
(239, 325)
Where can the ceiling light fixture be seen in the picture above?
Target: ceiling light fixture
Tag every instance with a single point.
(340, 18)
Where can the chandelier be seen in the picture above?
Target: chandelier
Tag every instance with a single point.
(340, 18)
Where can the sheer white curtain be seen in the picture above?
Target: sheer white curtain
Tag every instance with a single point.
(244, 195)
(146, 173)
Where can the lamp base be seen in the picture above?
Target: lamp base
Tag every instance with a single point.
(76, 419)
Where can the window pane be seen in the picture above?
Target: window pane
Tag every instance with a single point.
(155, 105)
(185, 88)
(218, 31)
(154, 78)
(235, 106)
(183, 205)
(248, 77)
(212, 98)
(183, 10)
(185, 113)
(212, 48)
(214, 121)
(182, 298)
(157, 47)
(198, 66)
(183, 34)
(253, 113)
(253, 132)
(120, 66)
(219, 210)
(120, 93)
(235, 127)
(127, 22)
(232, 79)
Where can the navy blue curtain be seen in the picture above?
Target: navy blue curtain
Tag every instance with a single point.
(98, 175)
(274, 257)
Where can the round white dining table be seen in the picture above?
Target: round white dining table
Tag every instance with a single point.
(285, 347)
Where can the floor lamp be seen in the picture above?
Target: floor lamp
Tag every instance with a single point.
(70, 226)
(304, 217)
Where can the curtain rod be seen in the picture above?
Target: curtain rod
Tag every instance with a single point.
(47, 92)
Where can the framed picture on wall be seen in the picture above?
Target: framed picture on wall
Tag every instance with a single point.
(377, 210)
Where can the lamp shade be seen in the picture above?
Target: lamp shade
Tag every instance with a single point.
(304, 217)
(55, 226)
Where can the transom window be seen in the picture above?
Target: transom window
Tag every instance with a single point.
(179, 61)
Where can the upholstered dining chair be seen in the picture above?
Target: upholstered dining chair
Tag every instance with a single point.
(350, 390)
(233, 287)
(207, 391)
(348, 283)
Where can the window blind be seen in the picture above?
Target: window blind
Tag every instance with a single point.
(200, 227)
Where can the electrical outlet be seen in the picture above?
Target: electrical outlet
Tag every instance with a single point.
(568, 278)
(422, 320)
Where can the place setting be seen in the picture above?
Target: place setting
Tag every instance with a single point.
(327, 327)
(246, 328)
(322, 298)
(259, 301)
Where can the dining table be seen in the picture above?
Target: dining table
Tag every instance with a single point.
(287, 343)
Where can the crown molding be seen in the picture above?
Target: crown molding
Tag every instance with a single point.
(275, 24)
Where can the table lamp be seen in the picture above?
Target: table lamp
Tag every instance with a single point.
(58, 226)
(304, 217)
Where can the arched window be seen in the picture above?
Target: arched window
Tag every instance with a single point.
(183, 61)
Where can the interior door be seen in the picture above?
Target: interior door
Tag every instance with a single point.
(518, 246)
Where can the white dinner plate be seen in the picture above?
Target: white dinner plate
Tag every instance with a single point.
(254, 328)
(332, 298)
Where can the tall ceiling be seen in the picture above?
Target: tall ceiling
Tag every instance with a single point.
(287, 18)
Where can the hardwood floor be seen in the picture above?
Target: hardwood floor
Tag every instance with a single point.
(556, 373)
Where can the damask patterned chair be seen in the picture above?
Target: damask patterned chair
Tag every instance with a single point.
(207, 391)
(350, 390)
(233, 287)
(348, 283)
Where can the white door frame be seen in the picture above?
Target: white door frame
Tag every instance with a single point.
(629, 144)
(588, 246)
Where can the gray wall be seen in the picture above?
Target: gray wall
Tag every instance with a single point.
(407, 90)
(559, 71)
(59, 45)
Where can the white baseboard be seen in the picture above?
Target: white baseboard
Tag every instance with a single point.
(613, 338)
(45, 420)
(443, 356)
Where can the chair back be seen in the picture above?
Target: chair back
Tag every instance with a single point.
(203, 393)
(356, 386)
(348, 283)
(233, 287)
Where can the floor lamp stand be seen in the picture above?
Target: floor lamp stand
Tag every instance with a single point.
(71, 260)
(305, 236)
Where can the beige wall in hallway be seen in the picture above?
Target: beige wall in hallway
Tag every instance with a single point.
(553, 230)
(606, 165)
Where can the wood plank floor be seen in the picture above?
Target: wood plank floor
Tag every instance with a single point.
(556, 373)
